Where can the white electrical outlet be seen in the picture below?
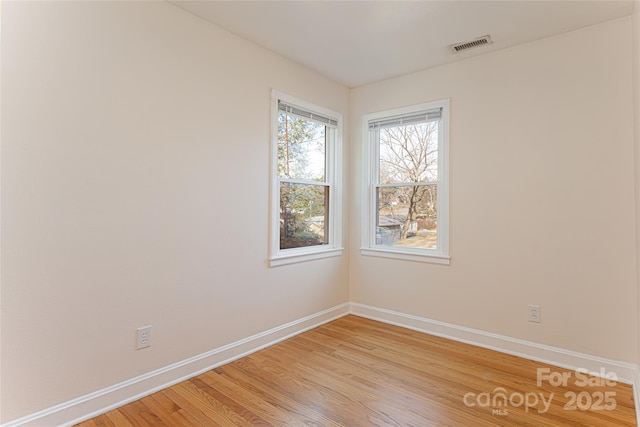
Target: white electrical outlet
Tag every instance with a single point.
(143, 337)
(535, 314)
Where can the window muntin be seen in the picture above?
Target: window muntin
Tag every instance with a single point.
(407, 201)
(305, 195)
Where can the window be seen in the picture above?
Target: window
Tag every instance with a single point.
(406, 209)
(305, 192)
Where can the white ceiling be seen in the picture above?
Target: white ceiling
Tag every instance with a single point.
(359, 42)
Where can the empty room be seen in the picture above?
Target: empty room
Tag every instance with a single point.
(328, 213)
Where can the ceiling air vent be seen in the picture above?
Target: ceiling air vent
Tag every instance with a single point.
(480, 41)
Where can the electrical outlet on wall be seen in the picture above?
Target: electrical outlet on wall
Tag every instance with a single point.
(535, 314)
(143, 337)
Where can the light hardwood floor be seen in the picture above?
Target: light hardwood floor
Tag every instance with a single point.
(357, 372)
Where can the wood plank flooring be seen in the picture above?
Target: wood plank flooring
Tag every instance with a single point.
(358, 372)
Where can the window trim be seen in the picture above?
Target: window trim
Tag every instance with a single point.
(370, 175)
(333, 179)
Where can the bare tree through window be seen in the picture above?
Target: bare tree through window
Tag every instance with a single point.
(407, 193)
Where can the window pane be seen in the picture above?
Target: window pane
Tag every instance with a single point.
(303, 215)
(409, 153)
(301, 148)
(407, 216)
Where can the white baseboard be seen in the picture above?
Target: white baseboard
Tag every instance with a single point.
(636, 394)
(85, 407)
(626, 372)
(94, 404)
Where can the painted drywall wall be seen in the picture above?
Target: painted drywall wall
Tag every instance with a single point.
(541, 197)
(636, 117)
(135, 178)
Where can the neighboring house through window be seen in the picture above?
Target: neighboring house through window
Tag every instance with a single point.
(305, 192)
(406, 205)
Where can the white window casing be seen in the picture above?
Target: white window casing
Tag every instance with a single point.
(332, 182)
(431, 112)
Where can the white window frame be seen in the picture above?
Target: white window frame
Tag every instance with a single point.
(333, 179)
(371, 176)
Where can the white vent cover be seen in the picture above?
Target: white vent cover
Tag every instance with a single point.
(480, 41)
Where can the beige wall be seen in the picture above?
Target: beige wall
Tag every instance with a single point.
(636, 116)
(123, 203)
(542, 195)
(135, 147)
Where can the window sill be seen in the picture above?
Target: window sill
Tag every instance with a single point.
(293, 258)
(407, 256)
